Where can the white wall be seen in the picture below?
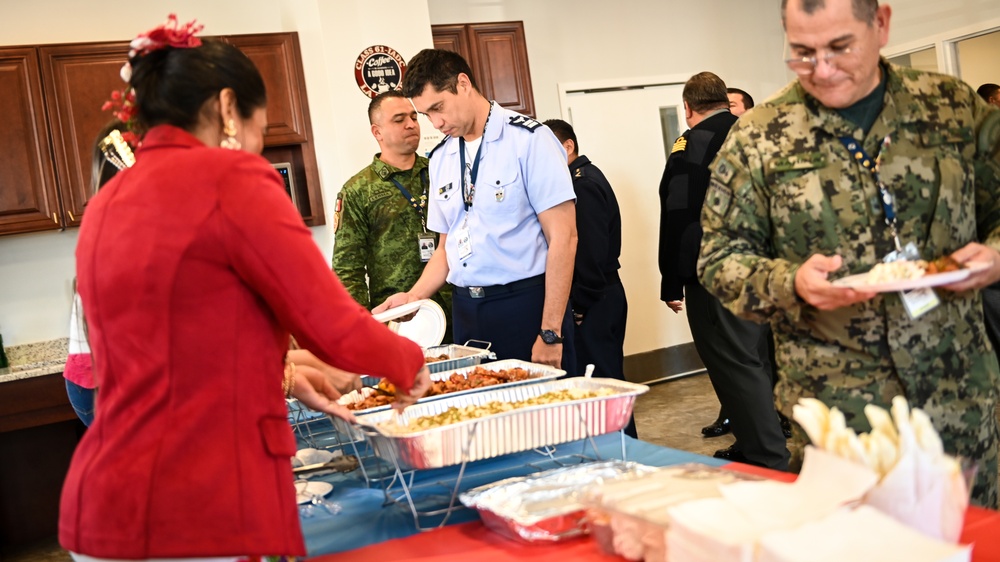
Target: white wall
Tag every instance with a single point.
(36, 270)
(979, 59)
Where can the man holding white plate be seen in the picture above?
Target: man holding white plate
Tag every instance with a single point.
(856, 161)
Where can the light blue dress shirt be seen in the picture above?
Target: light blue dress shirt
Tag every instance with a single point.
(522, 172)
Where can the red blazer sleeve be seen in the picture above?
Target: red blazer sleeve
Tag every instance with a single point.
(274, 252)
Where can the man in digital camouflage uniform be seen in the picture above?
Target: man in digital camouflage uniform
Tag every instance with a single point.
(381, 214)
(791, 208)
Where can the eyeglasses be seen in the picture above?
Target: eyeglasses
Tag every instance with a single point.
(807, 65)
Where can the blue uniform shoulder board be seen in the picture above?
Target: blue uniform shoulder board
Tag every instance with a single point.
(439, 145)
(525, 122)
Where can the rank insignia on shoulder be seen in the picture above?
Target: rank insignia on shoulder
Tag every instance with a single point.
(679, 145)
(525, 122)
(578, 173)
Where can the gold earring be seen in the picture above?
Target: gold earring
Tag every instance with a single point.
(230, 141)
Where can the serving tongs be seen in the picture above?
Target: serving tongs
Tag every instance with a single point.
(345, 463)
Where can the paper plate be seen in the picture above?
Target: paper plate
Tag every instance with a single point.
(427, 328)
(304, 491)
(394, 313)
(860, 281)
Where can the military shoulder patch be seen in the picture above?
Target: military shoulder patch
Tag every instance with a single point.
(724, 169)
(679, 145)
(525, 122)
(719, 197)
(439, 145)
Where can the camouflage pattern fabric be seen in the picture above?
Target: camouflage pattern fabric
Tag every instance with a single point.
(784, 188)
(376, 235)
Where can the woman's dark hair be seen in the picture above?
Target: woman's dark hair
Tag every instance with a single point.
(172, 84)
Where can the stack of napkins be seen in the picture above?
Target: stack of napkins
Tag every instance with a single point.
(859, 535)
(918, 484)
(730, 527)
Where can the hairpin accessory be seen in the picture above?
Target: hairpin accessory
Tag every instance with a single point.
(122, 106)
(170, 34)
(117, 150)
(230, 141)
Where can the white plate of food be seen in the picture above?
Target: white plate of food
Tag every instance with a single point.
(305, 490)
(905, 275)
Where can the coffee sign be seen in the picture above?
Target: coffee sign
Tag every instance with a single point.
(379, 69)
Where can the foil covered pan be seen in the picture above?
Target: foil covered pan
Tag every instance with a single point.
(537, 372)
(545, 507)
(459, 356)
(508, 432)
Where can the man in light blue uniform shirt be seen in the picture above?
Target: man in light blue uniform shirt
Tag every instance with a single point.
(502, 198)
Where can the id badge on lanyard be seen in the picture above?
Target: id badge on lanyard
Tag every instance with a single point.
(916, 301)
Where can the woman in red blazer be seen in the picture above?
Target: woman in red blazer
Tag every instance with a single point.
(193, 267)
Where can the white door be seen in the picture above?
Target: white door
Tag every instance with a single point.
(627, 132)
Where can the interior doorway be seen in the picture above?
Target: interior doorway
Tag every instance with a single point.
(627, 129)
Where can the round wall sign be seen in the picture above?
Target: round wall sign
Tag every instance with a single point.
(379, 69)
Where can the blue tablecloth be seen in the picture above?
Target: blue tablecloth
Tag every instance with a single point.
(365, 519)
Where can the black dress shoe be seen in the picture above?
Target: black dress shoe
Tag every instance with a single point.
(786, 425)
(719, 427)
(731, 453)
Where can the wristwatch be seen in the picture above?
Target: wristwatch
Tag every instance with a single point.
(550, 337)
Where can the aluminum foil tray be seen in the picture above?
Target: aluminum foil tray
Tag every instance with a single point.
(459, 356)
(504, 433)
(539, 373)
(545, 506)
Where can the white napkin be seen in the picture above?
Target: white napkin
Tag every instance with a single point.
(858, 535)
(812, 496)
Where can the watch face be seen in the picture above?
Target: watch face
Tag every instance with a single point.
(550, 337)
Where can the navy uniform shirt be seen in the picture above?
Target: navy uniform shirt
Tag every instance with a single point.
(599, 232)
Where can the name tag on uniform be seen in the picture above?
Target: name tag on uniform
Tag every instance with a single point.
(464, 240)
(425, 241)
(919, 301)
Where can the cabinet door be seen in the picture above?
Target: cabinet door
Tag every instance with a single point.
(498, 56)
(28, 199)
(78, 79)
(280, 64)
(453, 38)
(289, 129)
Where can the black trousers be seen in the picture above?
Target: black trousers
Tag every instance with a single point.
(735, 352)
(510, 320)
(600, 338)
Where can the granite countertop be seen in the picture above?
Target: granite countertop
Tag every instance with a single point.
(35, 359)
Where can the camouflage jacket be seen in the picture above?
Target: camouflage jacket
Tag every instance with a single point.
(376, 233)
(784, 188)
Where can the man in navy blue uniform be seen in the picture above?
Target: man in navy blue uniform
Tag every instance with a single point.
(597, 296)
(502, 200)
(735, 351)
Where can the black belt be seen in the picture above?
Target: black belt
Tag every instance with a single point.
(493, 290)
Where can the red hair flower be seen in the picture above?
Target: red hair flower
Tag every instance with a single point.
(170, 34)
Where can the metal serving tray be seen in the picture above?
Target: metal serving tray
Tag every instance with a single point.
(538, 373)
(508, 432)
(459, 356)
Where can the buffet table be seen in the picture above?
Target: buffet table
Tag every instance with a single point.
(366, 530)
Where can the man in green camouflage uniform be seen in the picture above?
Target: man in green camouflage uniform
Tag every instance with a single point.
(380, 221)
(789, 209)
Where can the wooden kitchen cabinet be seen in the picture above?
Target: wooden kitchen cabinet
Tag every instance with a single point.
(28, 198)
(52, 95)
(289, 128)
(498, 56)
(78, 79)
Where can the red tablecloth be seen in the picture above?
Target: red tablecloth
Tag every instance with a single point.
(472, 542)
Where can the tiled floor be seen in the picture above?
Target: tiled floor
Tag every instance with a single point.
(671, 414)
